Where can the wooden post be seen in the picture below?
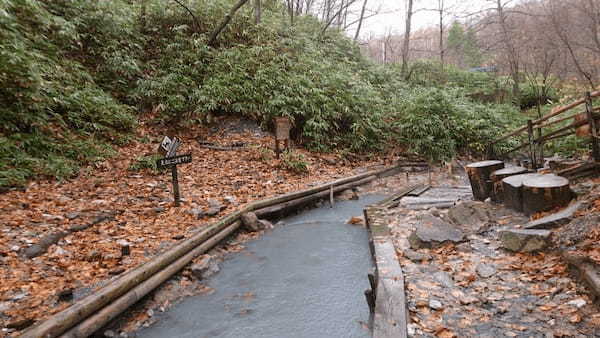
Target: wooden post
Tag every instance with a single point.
(590, 116)
(175, 185)
(331, 196)
(531, 145)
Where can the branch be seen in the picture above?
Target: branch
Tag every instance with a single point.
(196, 25)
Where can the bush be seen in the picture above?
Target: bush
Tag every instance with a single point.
(294, 162)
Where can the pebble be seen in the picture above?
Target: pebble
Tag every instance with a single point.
(435, 304)
(579, 302)
(486, 270)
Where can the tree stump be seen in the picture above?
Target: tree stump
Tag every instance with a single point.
(546, 192)
(512, 190)
(479, 176)
(497, 176)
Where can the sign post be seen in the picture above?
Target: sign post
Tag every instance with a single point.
(168, 147)
(282, 133)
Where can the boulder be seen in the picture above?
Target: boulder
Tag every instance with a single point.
(527, 240)
(416, 256)
(432, 232)
(250, 221)
(206, 267)
(469, 214)
(555, 220)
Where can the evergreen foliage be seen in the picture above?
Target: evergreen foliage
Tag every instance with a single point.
(76, 74)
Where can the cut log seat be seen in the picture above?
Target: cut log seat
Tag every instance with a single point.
(479, 176)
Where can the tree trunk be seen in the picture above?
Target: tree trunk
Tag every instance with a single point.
(479, 176)
(545, 193)
(510, 51)
(497, 177)
(360, 20)
(406, 43)
(512, 191)
(257, 11)
(226, 20)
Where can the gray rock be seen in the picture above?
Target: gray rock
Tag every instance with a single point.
(250, 221)
(214, 204)
(72, 215)
(555, 220)
(196, 212)
(485, 270)
(527, 240)
(4, 306)
(213, 212)
(230, 199)
(444, 279)
(578, 303)
(432, 232)
(435, 304)
(469, 214)
(205, 268)
(416, 256)
(347, 194)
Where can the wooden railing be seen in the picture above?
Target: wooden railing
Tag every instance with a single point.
(536, 144)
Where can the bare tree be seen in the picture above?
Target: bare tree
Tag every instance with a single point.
(226, 20)
(406, 42)
(360, 20)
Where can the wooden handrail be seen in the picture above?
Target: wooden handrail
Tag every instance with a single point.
(546, 117)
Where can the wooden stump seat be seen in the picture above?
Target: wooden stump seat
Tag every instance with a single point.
(497, 176)
(479, 176)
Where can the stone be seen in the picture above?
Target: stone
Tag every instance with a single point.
(4, 306)
(266, 224)
(416, 256)
(485, 270)
(216, 205)
(444, 279)
(197, 212)
(205, 268)
(432, 232)
(230, 199)
(65, 295)
(72, 215)
(435, 304)
(93, 256)
(527, 240)
(250, 221)
(212, 212)
(468, 214)
(555, 220)
(347, 194)
(578, 303)
(43, 245)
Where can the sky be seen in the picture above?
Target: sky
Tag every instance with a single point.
(392, 14)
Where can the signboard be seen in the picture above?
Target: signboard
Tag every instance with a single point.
(174, 160)
(282, 128)
(168, 147)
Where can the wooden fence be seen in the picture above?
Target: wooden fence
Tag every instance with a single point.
(586, 121)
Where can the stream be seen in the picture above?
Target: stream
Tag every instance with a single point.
(304, 278)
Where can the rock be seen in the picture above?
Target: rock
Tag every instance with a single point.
(60, 251)
(196, 212)
(230, 199)
(34, 251)
(43, 245)
(250, 221)
(93, 256)
(527, 240)
(416, 256)
(432, 232)
(435, 304)
(178, 237)
(212, 212)
(578, 303)
(205, 268)
(485, 270)
(65, 295)
(266, 224)
(4, 306)
(469, 214)
(347, 194)
(555, 220)
(216, 205)
(444, 279)
(72, 215)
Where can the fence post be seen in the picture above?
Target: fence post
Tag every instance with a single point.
(590, 116)
(532, 156)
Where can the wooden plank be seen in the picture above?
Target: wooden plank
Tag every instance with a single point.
(420, 191)
(390, 317)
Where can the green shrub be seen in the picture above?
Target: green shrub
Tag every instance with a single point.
(294, 161)
(145, 162)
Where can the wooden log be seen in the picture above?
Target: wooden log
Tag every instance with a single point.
(278, 209)
(479, 176)
(62, 321)
(93, 323)
(546, 192)
(497, 176)
(512, 191)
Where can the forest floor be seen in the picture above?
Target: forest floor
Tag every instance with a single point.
(61, 240)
